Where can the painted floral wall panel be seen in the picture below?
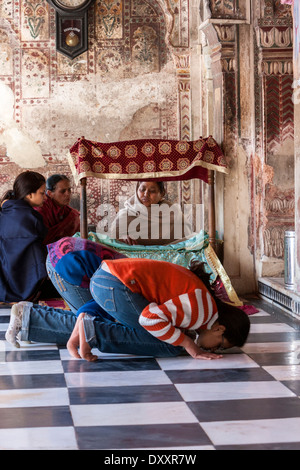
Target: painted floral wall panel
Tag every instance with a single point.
(34, 20)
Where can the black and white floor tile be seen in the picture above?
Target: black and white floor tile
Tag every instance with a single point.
(248, 400)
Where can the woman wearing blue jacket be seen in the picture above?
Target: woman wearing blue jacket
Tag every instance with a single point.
(22, 231)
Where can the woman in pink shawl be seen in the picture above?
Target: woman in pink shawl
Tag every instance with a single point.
(60, 219)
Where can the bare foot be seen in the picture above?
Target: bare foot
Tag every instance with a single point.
(73, 343)
(84, 347)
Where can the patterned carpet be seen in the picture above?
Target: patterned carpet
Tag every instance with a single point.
(247, 400)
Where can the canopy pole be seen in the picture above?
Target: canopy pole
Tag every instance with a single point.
(83, 209)
(211, 209)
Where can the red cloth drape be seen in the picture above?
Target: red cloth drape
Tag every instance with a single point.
(151, 159)
(61, 221)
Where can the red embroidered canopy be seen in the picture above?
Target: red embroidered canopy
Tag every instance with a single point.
(146, 159)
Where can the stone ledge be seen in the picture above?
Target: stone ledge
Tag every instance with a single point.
(274, 290)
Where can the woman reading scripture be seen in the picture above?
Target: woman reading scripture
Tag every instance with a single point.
(149, 219)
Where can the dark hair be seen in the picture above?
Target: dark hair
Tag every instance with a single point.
(235, 320)
(25, 183)
(160, 184)
(53, 180)
(198, 268)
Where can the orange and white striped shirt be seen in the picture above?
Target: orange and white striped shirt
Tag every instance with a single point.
(178, 299)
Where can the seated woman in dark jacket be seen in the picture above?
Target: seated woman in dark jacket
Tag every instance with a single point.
(22, 231)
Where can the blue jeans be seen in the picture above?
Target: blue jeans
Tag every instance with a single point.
(127, 335)
(124, 336)
(43, 324)
(75, 296)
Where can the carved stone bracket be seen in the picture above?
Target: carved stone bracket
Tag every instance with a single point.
(276, 49)
(219, 25)
(224, 11)
(184, 95)
(274, 36)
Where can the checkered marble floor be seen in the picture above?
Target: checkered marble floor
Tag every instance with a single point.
(250, 399)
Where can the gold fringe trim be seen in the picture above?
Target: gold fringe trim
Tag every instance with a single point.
(218, 268)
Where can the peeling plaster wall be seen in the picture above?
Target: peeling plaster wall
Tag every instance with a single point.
(102, 110)
(20, 147)
(72, 98)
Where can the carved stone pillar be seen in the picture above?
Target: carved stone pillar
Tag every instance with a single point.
(296, 86)
(274, 169)
(220, 25)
